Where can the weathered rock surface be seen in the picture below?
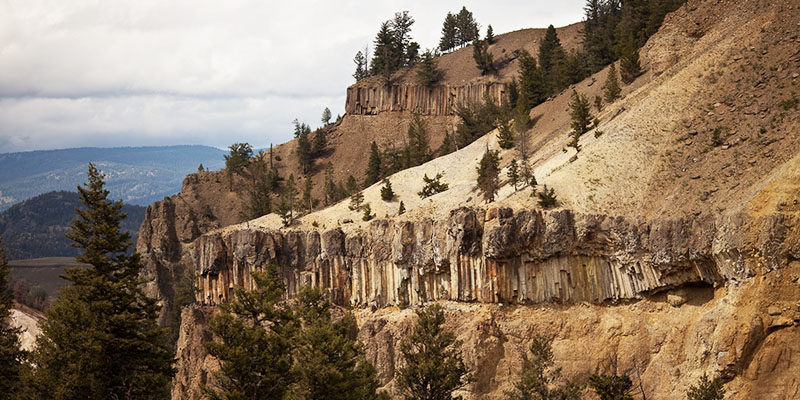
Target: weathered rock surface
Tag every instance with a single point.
(524, 257)
(438, 100)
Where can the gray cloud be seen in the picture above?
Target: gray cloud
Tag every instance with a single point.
(198, 71)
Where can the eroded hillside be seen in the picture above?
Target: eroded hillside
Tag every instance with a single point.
(674, 250)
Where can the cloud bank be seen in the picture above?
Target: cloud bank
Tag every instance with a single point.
(88, 73)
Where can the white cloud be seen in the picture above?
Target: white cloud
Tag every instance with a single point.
(76, 73)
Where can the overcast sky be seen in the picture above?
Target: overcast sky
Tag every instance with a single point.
(145, 72)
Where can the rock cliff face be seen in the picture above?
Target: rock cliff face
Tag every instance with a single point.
(500, 257)
(440, 100)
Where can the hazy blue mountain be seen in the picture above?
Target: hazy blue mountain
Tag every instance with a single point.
(36, 227)
(137, 175)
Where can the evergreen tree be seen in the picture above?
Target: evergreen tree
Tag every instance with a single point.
(513, 174)
(326, 116)
(547, 197)
(611, 89)
(433, 367)
(526, 173)
(611, 387)
(532, 85)
(351, 186)
(418, 149)
(11, 357)
(477, 119)
(236, 160)
(549, 45)
(467, 28)
(331, 194)
(539, 378)
(522, 123)
(706, 389)
(304, 151)
(320, 142)
(581, 115)
(374, 168)
(429, 73)
(288, 202)
(356, 201)
(330, 363)
(513, 93)
(385, 58)
(629, 62)
(387, 194)
(490, 35)
(308, 200)
(483, 58)
(402, 209)
(100, 339)
(505, 136)
(401, 27)
(361, 66)
(254, 336)
(449, 33)
(432, 186)
(200, 168)
(258, 193)
(488, 173)
(367, 210)
(553, 62)
(412, 56)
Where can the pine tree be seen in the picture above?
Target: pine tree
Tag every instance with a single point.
(611, 387)
(532, 85)
(236, 160)
(356, 201)
(526, 173)
(513, 174)
(326, 116)
(374, 168)
(308, 200)
(330, 363)
(449, 33)
(540, 379)
(418, 149)
(200, 168)
(488, 173)
(402, 209)
(547, 197)
(513, 93)
(320, 142)
(412, 56)
(581, 115)
(367, 212)
(433, 367)
(11, 357)
(385, 58)
(467, 28)
(101, 339)
(361, 66)
(629, 62)
(553, 62)
(401, 27)
(429, 73)
(505, 136)
(432, 186)
(258, 192)
(288, 202)
(611, 89)
(304, 151)
(387, 194)
(331, 194)
(546, 49)
(351, 186)
(706, 389)
(522, 123)
(490, 34)
(254, 334)
(483, 58)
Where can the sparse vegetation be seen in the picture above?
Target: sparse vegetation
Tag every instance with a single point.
(367, 212)
(706, 389)
(611, 89)
(432, 186)
(547, 197)
(356, 201)
(581, 118)
(402, 209)
(434, 368)
(540, 378)
(612, 387)
(488, 173)
(790, 104)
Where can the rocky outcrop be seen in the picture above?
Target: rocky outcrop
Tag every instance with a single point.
(439, 100)
(501, 256)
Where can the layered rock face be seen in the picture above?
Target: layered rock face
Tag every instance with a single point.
(439, 100)
(503, 257)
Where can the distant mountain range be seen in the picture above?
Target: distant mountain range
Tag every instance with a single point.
(137, 175)
(36, 227)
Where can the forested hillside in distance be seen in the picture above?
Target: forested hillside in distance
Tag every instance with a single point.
(36, 227)
(137, 175)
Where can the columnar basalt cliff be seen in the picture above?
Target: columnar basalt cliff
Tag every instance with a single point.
(439, 100)
(514, 257)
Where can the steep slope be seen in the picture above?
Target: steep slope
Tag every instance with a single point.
(675, 250)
